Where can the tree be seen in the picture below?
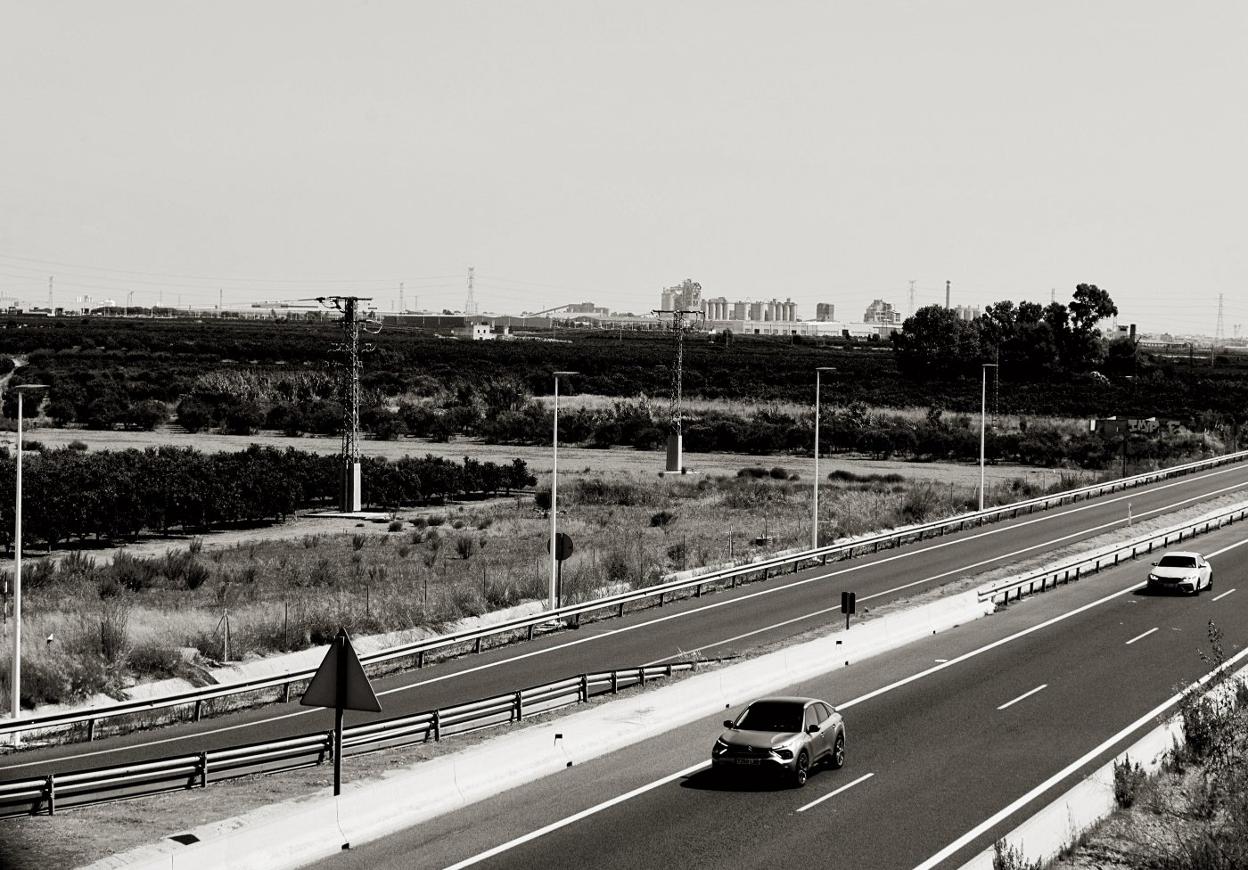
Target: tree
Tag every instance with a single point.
(1090, 306)
(935, 342)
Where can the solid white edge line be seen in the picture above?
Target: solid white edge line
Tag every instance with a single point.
(1007, 811)
(831, 794)
(1039, 688)
(1223, 595)
(554, 826)
(1140, 636)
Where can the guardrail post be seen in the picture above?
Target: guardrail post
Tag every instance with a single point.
(420, 654)
(697, 591)
(584, 687)
(576, 619)
(90, 730)
(621, 613)
(203, 770)
(327, 751)
(530, 632)
(285, 693)
(669, 669)
(476, 648)
(50, 787)
(661, 594)
(437, 726)
(641, 676)
(615, 682)
(733, 585)
(519, 706)
(199, 709)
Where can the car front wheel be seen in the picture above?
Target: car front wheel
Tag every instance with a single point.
(837, 760)
(801, 772)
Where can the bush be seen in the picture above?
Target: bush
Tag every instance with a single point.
(395, 526)
(754, 472)
(465, 546)
(358, 541)
(779, 473)
(1128, 780)
(154, 660)
(662, 519)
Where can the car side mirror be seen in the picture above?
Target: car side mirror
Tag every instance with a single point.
(1154, 564)
(728, 723)
(812, 729)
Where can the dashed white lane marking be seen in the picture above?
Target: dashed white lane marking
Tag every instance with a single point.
(554, 826)
(1039, 688)
(846, 787)
(1223, 595)
(1140, 636)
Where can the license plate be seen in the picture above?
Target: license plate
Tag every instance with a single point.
(747, 761)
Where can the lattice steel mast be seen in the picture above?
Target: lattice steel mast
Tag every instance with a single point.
(352, 348)
(675, 440)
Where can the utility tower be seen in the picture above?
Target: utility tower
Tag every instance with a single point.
(470, 306)
(402, 308)
(1219, 335)
(911, 312)
(675, 439)
(351, 347)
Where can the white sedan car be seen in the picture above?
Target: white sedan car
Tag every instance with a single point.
(1181, 572)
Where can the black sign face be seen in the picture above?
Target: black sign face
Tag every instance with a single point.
(563, 546)
(849, 602)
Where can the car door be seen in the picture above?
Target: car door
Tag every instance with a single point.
(819, 740)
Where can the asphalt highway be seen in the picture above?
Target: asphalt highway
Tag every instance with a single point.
(715, 625)
(952, 741)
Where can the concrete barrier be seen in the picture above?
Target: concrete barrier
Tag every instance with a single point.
(300, 831)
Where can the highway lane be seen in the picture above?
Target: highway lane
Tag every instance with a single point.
(929, 760)
(715, 625)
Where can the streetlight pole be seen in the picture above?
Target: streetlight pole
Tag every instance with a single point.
(15, 684)
(814, 532)
(554, 493)
(983, 408)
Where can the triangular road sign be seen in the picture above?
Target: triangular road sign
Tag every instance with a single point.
(340, 681)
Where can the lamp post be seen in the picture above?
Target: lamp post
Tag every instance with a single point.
(15, 684)
(983, 406)
(814, 532)
(554, 491)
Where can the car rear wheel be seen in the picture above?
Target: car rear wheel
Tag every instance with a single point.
(801, 772)
(837, 759)
(1209, 585)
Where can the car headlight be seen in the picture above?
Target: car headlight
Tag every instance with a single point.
(719, 747)
(1153, 577)
(785, 754)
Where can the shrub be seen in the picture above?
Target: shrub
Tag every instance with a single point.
(420, 522)
(77, 445)
(436, 521)
(484, 523)
(358, 541)
(1129, 778)
(779, 473)
(1007, 857)
(134, 573)
(753, 472)
(662, 520)
(395, 526)
(154, 660)
(196, 546)
(465, 546)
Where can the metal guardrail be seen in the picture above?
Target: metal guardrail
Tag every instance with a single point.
(607, 605)
(1107, 557)
(47, 794)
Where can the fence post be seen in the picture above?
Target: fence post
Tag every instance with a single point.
(203, 770)
(50, 787)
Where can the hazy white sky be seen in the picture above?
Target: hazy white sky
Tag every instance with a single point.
(585, 150)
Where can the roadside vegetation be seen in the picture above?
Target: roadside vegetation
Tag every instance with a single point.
(1192, 815)
(134, 618)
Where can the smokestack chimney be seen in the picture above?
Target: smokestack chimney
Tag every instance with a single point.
(947, 283)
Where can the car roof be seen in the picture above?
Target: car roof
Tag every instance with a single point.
(1191, 553)
(786, 699)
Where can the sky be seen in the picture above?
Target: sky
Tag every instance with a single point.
(180, 153)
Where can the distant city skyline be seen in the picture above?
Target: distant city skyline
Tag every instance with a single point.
(580, 150)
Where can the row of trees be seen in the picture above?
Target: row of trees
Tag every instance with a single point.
(70, 494)
(1034, 341)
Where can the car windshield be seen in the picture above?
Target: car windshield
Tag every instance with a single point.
(772, 716)
(1177, 562)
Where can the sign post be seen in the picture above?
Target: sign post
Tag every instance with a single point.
(563, 549)
(849, 604)
(340, 683)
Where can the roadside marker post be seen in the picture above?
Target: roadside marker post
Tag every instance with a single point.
(849, 604)
(340, 683)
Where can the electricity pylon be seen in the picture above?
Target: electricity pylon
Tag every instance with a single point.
(675, 439)
(352, 488)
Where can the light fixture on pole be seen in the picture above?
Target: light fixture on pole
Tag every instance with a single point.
(554, 492)
(983, 402)
(15, 684)
(814, 533)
